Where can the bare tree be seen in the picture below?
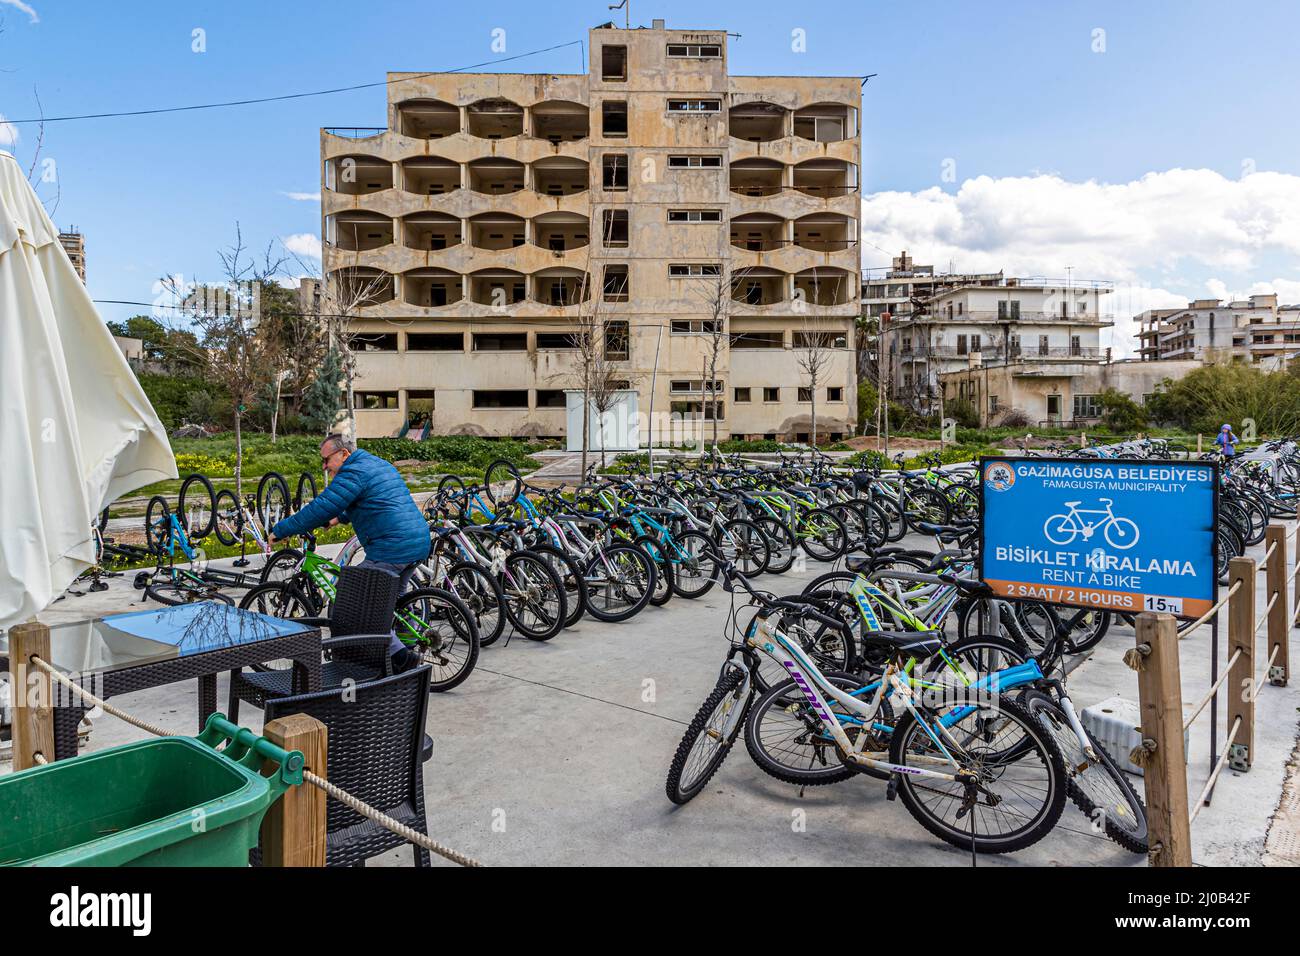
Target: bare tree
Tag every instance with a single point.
(234, 349)
(814, 354)
(717, 300)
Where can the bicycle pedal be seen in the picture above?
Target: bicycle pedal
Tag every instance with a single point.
(891, 788)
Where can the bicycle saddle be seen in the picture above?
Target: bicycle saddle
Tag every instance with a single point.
(912, 643)
(1071, 504)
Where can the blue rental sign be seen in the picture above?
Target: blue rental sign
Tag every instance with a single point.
(1106, 533)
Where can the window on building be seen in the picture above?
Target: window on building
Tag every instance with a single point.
(1075, 347)
(993, 403)
(375, 342)
(771, 394)
(961, 345)
(975, 343)
(550, 398)
(693, 326)
(617, 341)
(501, 398)
(556, 340)
(615, 286)
(835, 394)
(1042, 345)
(500, 341)
(1013, 344)
(740, 395)
(694, 106)
(613, 170)
(435, 342)
(699, 410)
(373, 400)
(695, 215)
(694, 162)
(613, 64)
(681, 270)
(805, 394)
(822, 340)
(1009, 309)
(704, 51)
(614, 228)
(1087, 406)
(419, 406)
(613, 118)
(757, 340)
(686, 385)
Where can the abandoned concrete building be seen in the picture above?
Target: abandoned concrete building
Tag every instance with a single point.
(684, 209)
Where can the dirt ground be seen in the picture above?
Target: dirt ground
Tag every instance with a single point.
(895, 444)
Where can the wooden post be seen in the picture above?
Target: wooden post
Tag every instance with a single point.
(1199, 450)
(1160, 692)
(33, 704)
(1241, 677)
(1279, 619)
(293, 830)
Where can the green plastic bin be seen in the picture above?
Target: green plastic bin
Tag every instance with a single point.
(169, 801)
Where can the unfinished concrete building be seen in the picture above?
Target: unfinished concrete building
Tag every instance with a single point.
(679, 205)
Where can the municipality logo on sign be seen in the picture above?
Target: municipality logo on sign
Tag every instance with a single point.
(999, 476)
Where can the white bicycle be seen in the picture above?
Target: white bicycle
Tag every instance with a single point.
(1120, 533)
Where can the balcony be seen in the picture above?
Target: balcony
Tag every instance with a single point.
(363, 286)
(561, 287)
(496, 177)
(358, 175)
(758, 286)
(430, 176)
(756, 177)
(826, 178)
(431, 288)
(358, 231)
(561, 231)
(758, 232)
(560, 176)
(495, 118)
(559, 121)
(757, 122)
(427, 119)
(494, 231)
(1000, 317)
(825, 232)
(498, 287)
(431, 231)
(825, 286)
(825, 122)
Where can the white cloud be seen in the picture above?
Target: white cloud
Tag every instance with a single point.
(8, 132)
(22, 7)
(302, 197)
(1135, 234)
(303, 244)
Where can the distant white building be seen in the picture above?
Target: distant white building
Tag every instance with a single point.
(1256, 330)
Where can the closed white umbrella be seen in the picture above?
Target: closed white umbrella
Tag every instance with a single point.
(76, 430)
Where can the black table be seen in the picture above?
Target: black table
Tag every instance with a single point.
(129, 652)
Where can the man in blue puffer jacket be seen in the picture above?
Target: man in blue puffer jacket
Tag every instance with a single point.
(368, 493)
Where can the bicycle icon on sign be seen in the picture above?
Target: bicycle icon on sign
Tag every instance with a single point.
(1120, 533)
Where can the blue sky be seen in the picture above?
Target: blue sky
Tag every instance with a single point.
(1063, 146)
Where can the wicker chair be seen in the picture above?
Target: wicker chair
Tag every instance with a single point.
(356, 650)
(377, 748)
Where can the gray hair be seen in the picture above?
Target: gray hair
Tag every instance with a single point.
(339, 443)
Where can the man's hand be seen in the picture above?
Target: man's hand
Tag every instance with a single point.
(333, 522)
(271, 539)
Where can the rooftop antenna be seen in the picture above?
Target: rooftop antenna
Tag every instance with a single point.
(626, 7)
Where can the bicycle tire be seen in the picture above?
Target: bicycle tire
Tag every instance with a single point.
(703, 557)
(273, 501)
(173, 594)
(575, 588)
(306, 492)
(745, 545)
(157, 524)
(226, 511)
(502, 472)
(595, 571)
(679, 787)
(664, 577)
(782, 547)
(448, 671)
(827, 526)
(1124, 819)
(196, 506)
(523, 608)
(481, 594)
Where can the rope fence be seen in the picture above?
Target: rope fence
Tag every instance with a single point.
(342, 796)
(1155, 656)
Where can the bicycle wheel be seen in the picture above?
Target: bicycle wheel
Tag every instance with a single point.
(662, 591)
(534, 596)
(787, 740)
(503, 483)
(1017, 765)
(175, 592)
(277, 599)
(694, 564)
(273, 501)
(157, 524)
(228, 519)
(481, 594)
(620, 582)
(570, 573)
(441, 629)
(925, 506)
(821, 534)
(306, 492)
(196, 507)
(744, 545)
(1097, 787)
(703, 747)
(781, 545)
(1036, 623)
(281, 566)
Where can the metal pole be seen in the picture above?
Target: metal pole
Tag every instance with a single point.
(654, 374)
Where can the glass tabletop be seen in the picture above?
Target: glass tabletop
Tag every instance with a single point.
(158, 634)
